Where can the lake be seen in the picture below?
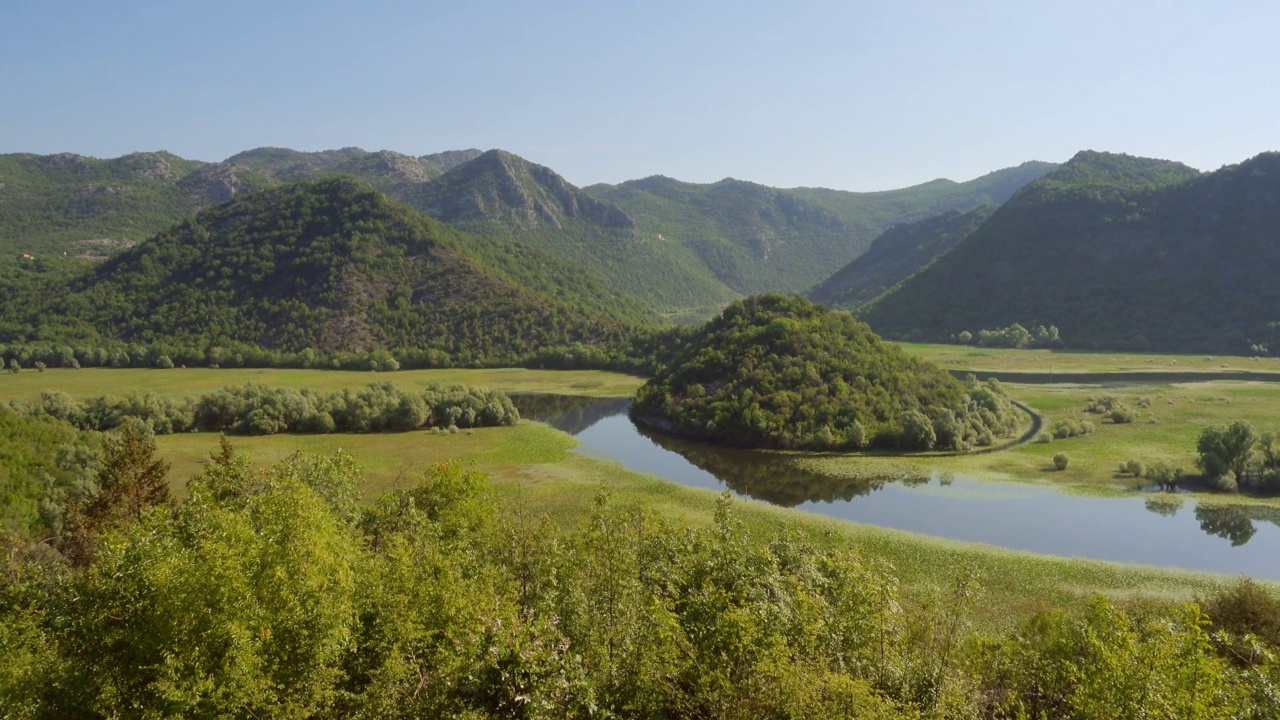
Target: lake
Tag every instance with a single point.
(1143, 528)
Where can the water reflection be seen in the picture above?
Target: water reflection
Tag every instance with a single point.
(1235, 522)
(569, 413)
(777, 478)
(1142, 528)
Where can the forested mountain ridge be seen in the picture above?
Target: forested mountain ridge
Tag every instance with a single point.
(1117, 252)
(334, 265)
(505, 197)
(757, 238)
(72, 204)
(898, 253)
(678, 247)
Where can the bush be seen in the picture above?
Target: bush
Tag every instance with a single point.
(1122, 415)
(1134, 468)
(1044, 437)
(1060, 461)
(1245, 608)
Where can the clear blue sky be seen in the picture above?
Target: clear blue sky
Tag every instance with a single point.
(851, 95)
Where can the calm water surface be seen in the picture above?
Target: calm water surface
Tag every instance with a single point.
(1143, 528)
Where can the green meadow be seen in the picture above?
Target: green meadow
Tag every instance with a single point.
(967, 357)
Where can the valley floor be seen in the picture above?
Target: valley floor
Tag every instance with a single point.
(533, 465)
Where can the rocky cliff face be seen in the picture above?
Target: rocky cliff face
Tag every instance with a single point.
(498, 187)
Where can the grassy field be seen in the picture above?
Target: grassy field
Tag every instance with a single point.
(965, 357)
(194, 381)
(1164, 431)
(532, 467)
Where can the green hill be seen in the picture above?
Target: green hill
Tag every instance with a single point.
(898, 253)
(335, 265)
(84, 206)
(1117, 252)
(774, 371)
(755, 238)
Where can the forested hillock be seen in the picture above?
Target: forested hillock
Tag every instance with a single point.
(332, 265)
(898, 253)
(1117, 252)
(782, 372)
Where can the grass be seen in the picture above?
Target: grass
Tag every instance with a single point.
(966, 357)
(178, 382)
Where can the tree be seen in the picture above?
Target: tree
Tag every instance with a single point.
(13, 365)
(132, 480)
(1226, 447)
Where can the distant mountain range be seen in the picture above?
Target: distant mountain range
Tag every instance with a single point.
(1118, 252)
(1115, 251)
(678, 247)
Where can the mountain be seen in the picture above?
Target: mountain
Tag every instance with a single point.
(681, 248)
(335, 265)
(85, 206)
(875, 212)
(1117, 252)
(755, 238)
(898, 253)
(505, 197)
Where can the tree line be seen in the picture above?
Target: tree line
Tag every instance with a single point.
(257, 409)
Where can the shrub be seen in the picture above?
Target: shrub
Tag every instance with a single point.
(1245, 608)
(1121, 415)
(1060, 461)
(1044, 437)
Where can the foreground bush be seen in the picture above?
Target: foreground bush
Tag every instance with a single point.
(275, 594)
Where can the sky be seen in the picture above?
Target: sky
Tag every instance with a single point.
(849, 95)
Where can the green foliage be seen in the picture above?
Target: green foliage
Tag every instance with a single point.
(1060, 461)
(131, 481)
(1071, 427)
(1120, 252)
(1016, 336)
(42, 461)
(1245, 611)
(271, 593)
(782, 372)
(1226, 448)
(261, 410)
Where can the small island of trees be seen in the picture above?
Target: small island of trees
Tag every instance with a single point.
(774, 371)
